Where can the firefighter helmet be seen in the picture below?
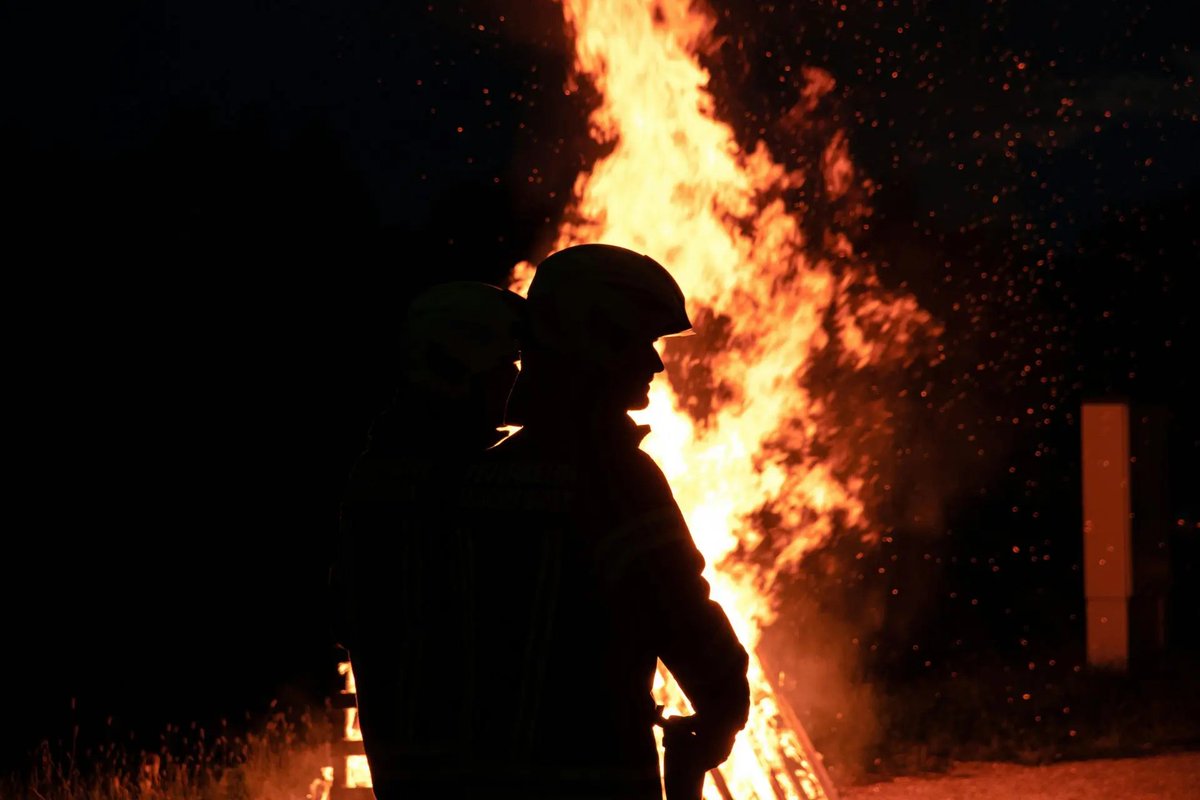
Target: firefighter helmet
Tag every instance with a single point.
(459, 330)
(583, 297)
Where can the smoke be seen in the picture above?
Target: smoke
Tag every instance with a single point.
(816, 664)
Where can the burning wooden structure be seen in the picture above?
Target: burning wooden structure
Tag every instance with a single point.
(766, 459)
(351, 778)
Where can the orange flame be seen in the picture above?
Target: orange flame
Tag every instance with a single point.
(677, 186)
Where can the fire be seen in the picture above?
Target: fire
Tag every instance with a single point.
(756, 436)
(761, 459)
(352, 771)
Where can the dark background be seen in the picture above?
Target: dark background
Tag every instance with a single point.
(214, 212)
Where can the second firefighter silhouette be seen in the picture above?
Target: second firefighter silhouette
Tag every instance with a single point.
(586, 573)
(401, 582)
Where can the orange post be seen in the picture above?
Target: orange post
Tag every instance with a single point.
(1107, 533)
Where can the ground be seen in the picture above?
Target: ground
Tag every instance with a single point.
(1163, 777)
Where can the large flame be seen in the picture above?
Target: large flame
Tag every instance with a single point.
(752, 441)
(764, 465)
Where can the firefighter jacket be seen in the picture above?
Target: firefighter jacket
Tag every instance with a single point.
(399, 587)
(583, 575)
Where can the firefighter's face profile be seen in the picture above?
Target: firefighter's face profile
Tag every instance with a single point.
(630, 370)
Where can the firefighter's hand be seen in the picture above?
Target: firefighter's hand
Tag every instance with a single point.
(684, 766)
(689, 741)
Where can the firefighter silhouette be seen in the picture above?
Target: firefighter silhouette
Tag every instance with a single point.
(583, 571)
(399, 581)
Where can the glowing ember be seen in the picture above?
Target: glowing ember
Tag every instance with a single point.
(752, 442)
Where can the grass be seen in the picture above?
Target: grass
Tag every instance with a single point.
(282, 760)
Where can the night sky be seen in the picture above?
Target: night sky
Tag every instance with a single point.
(215, 212)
